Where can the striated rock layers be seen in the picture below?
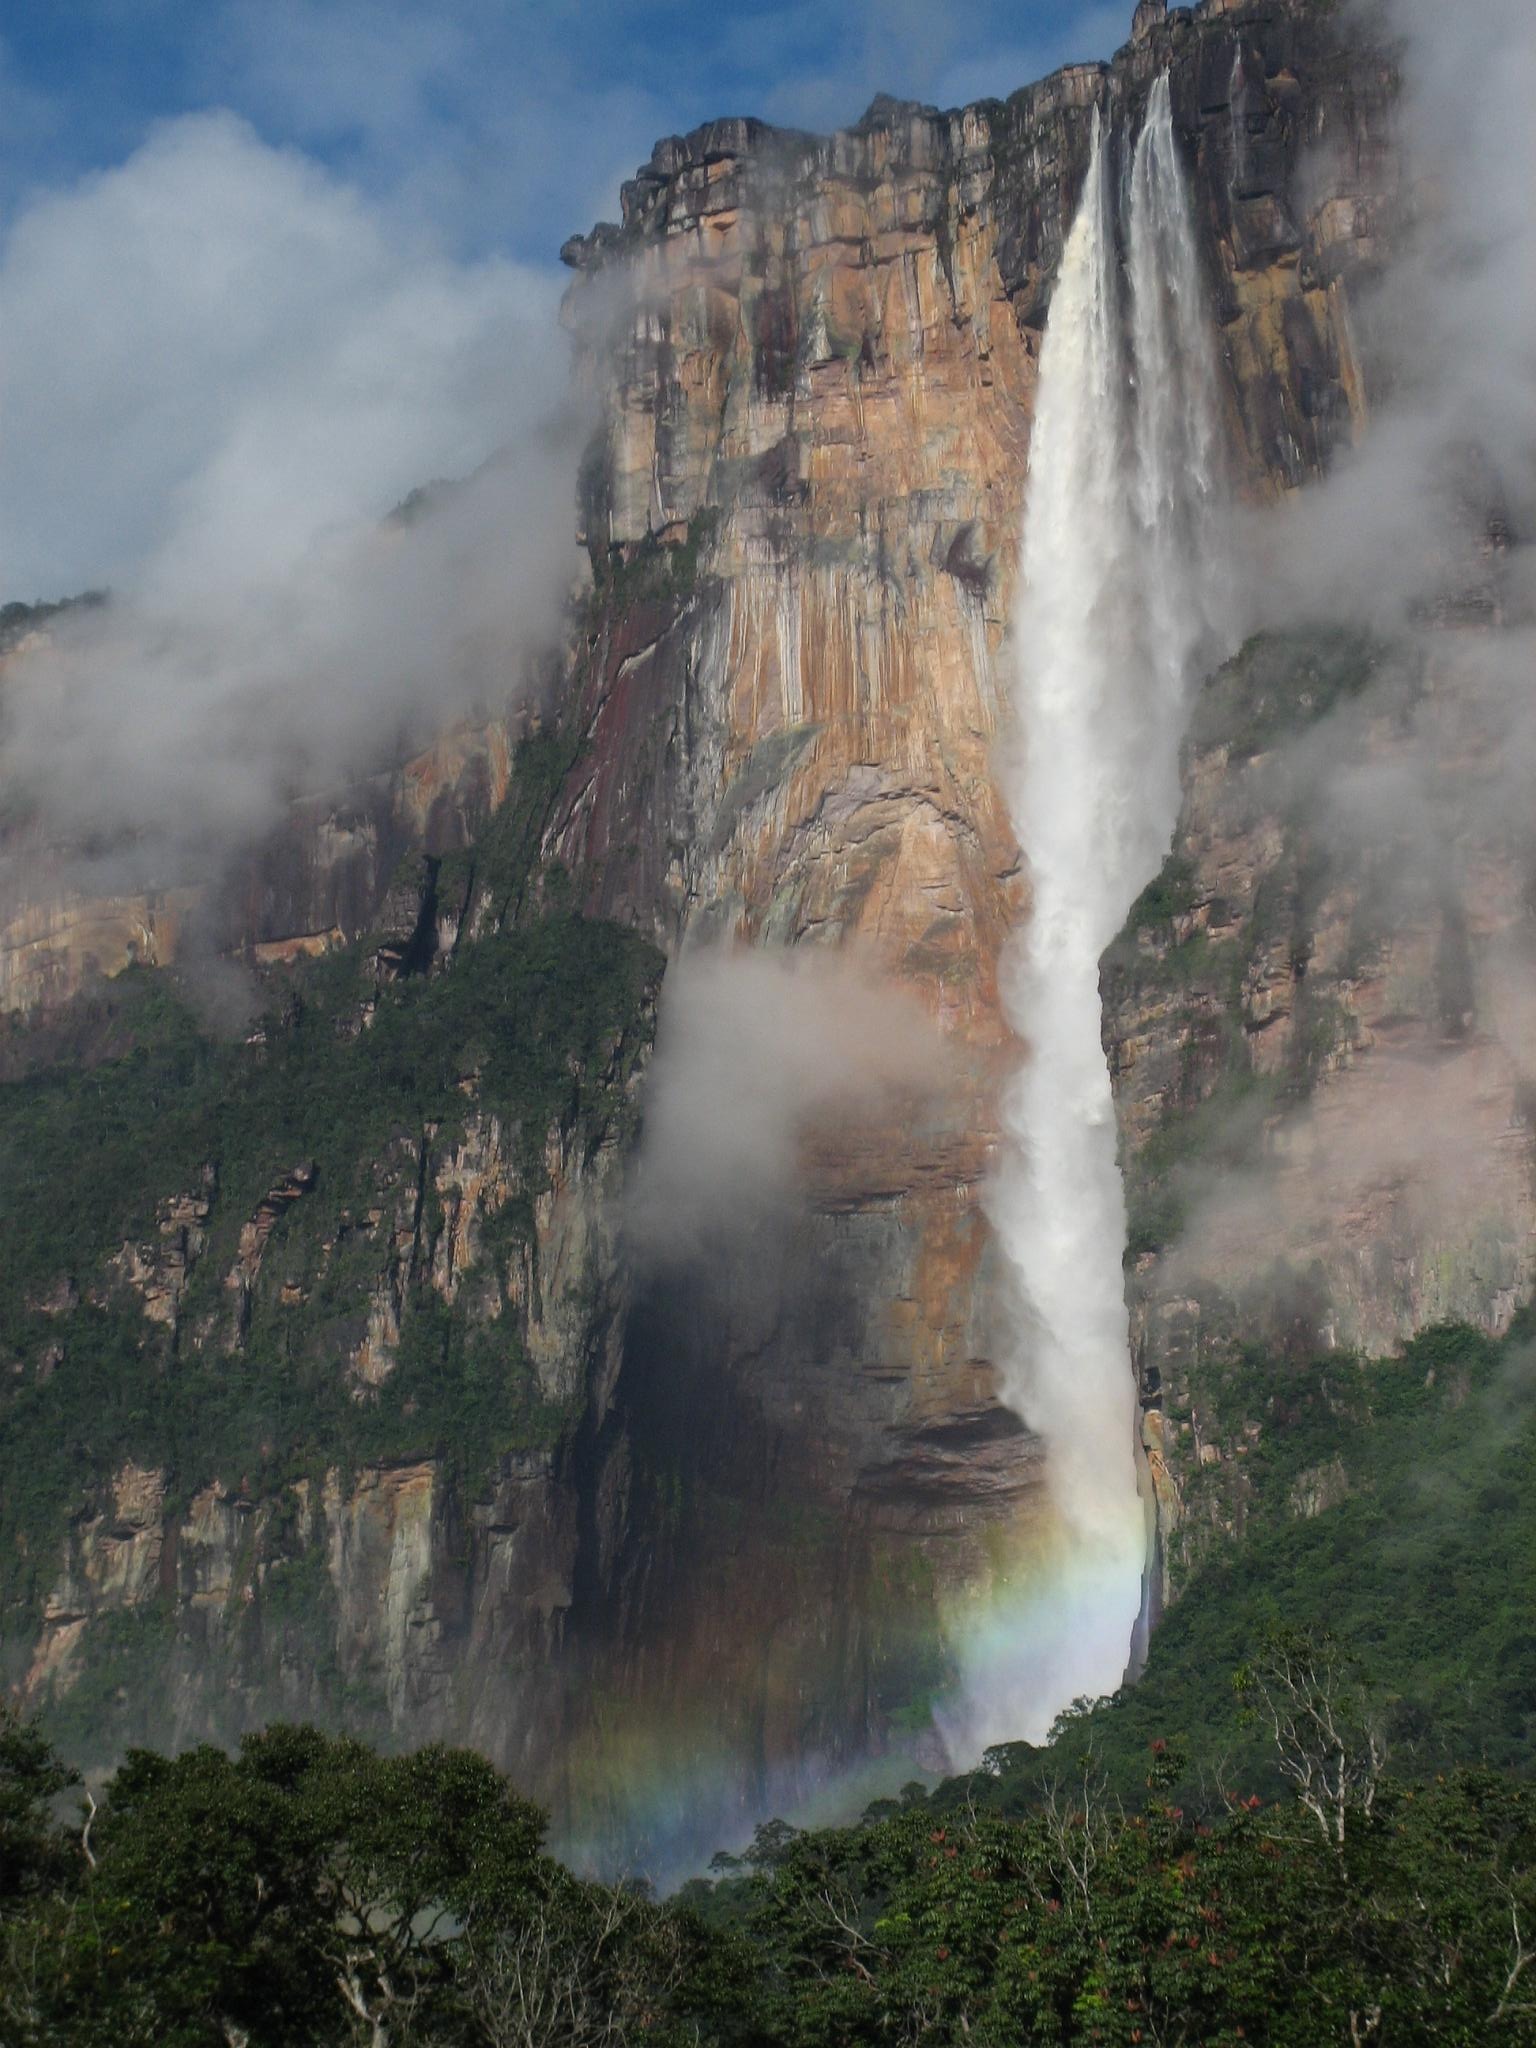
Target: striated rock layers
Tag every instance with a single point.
(772, 1487)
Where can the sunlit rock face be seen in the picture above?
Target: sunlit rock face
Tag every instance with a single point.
(817, 365)
(788, 1482)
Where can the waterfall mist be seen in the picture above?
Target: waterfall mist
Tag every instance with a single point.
(1120, 604)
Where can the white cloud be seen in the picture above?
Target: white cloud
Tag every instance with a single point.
(216, 353)
(222, 368)
(501, 119)
(223, 362)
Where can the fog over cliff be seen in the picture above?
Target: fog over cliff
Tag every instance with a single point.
(227, 359)
(223, 367)
(1449, 336)
(225, 362)
(753, 1048)
(1428, 521)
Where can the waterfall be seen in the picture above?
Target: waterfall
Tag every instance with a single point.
(1119, 605)
(1185, 595)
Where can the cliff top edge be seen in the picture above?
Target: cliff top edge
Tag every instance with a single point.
(792, 150)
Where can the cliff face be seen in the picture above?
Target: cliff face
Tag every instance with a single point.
(817, 364)
(408, 1595)
(311, 1438)
(731, 1539)
(1319, 1025)
(318, 882)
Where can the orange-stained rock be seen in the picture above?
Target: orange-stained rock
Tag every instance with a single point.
(816, 363)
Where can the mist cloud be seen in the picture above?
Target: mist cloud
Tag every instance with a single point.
(1449, 339)
(752, 1049)
(1418, 790)
(225, 360)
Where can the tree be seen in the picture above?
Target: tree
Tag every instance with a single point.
(425, 1852)
(300, 1892)
(32, 1775)
(1327, 1735)
(581, 1966)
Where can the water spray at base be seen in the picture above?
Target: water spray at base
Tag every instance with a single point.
(1119, 606)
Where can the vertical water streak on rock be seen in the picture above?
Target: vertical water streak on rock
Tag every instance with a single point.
(1116, 606)
(1236, 95)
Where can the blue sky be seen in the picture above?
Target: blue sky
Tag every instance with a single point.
(504, 125)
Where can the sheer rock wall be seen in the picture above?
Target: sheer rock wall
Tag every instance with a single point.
(814, 364)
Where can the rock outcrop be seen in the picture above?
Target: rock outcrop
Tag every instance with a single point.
(71, 914)
(406, 1594)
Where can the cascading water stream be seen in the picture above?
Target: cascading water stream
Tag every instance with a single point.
(1186, 593)
(1119, 603)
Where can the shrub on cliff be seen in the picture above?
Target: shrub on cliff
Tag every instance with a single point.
(545, 1019)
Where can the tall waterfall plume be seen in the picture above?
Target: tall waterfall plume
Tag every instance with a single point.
(1120, 603)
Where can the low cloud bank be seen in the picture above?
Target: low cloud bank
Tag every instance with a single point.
(160, 730)
(1414, 796)
(222, 369)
